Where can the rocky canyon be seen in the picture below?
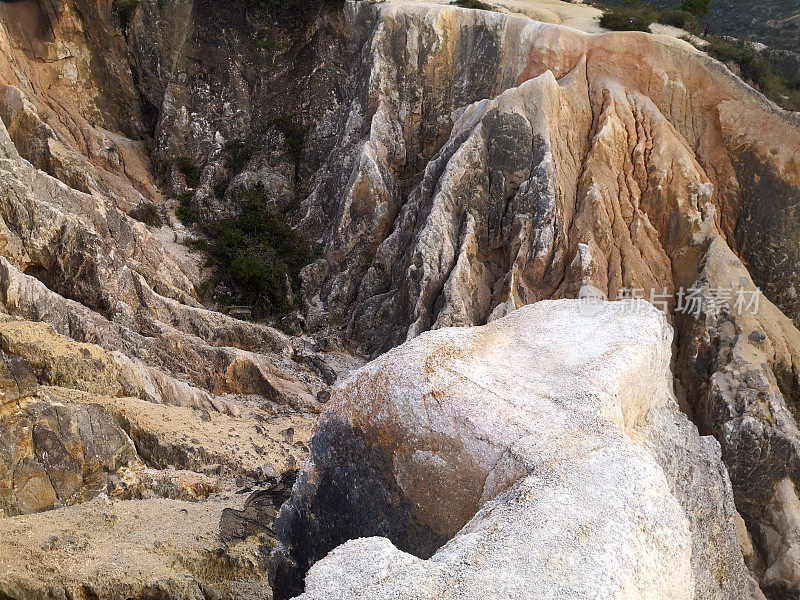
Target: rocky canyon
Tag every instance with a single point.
(391, 299)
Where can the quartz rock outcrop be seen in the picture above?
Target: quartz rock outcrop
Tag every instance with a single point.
(503, 460)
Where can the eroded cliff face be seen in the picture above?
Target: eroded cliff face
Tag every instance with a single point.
(130, 416)
(456, 165)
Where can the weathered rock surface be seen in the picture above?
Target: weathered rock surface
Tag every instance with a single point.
(54, 455)
(436, 210)
(114, 380)
(455, 165)
(540, 456)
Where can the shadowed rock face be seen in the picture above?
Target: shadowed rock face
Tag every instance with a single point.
(766, 234)
(355, 496)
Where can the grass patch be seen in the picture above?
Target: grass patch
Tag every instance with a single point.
(630, 16)
(257, 255)
(475, 4)
(191, 172)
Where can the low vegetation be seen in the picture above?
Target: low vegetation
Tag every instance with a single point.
(294, 135)
(266, 44)
(126, 9)
(755, 66)
(288, 11)
(630, 16)
(476, 4)
(147, 213)
(680, 18)
(257, 255)
(191, 172)
(638, 15)
(237, 155)
(185, 212)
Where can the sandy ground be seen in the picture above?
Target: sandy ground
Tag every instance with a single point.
(577, 16)
(129, 546)
(253, 443)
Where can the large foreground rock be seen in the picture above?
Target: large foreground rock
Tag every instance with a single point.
(540, 456)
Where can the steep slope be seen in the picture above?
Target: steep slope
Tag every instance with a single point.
(119, 389)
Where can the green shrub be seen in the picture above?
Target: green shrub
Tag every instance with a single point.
(250, 273)
(147, 213)
(288, 11)
(680, 18)
(476, 4)
(191, 172)
(238, 154)
(266, 44)
(294, 135)
(255, 253)
(185, 212)
(630, 16)
(220, 189)
(757, 68)
(126, 8)
(696, 7)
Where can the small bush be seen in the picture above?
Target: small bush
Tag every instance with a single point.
(287, 12)
(238, 154)
(680, 18)
(147, 213)
(191, 172)
(476, 4)
(220, 189)
(256, 253)
(126, 8)
(250, 273)
(631, 16)
(266, 44)
(293, 134)
(185, 212)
